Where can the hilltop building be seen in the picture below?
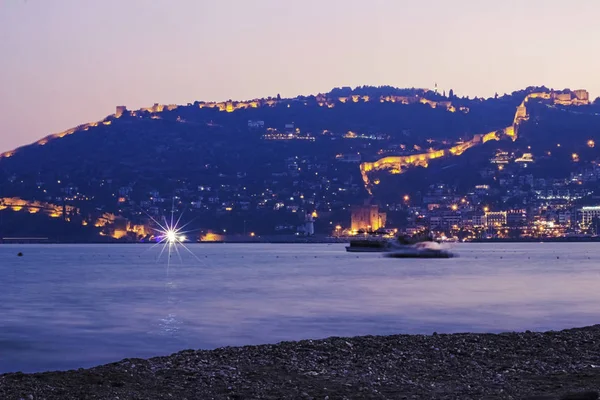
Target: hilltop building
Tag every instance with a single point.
(582, 95)
(575, 98)
(120, 111)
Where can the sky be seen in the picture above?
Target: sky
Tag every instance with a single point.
(67, 62)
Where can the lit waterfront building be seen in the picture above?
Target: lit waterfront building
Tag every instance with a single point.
(495, 218)
(309, 224)
(516, 218)
(479, 220)
(367, 218)
(587, 214)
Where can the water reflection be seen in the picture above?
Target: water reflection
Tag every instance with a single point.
(170, 325)
(73, 306)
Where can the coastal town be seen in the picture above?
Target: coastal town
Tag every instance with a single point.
(333, 183)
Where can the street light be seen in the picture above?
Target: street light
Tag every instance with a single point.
(338, 229)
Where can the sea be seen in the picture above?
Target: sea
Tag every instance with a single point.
(77, 306)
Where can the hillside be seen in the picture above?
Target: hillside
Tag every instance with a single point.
(274, 159)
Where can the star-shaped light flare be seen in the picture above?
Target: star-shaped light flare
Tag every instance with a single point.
(171, 236)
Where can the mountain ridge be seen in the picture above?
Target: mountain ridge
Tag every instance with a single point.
(336, 95)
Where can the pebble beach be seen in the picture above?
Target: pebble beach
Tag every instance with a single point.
(529, 365)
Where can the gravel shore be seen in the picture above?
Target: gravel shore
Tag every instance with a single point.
(549, 365)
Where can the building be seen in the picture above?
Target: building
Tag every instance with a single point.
(516, 218)
(479, 220)
(452, 221)
(367, 218)
(445, 220)
(562, 98)
(587, 214)
(348, 158)
(495, 218)
(120, 111)
(256, 124)
(501, 157)
(482, 190)
(564, 217)
(526, 158)
(473, 219)
(582, 95)
(436, 222)
(309, 224)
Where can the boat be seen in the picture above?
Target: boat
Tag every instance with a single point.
(420, 250)
(369, 246)
(376, 243)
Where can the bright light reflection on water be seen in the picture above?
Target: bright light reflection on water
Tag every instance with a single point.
(71, 306)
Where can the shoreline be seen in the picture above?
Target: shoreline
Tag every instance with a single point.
(438, 366)
(316, 241)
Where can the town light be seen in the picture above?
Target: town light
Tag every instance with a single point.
(171, 236)
(406, 197)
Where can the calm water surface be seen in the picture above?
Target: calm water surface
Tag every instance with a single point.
(71, 306)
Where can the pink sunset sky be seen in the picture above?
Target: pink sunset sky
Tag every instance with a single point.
(66, 62)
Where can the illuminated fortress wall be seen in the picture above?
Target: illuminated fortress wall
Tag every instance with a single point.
(45, 140)
(115, 226)
(399, 164)
(34, 207)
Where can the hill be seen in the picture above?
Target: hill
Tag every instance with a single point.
(269, 161)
